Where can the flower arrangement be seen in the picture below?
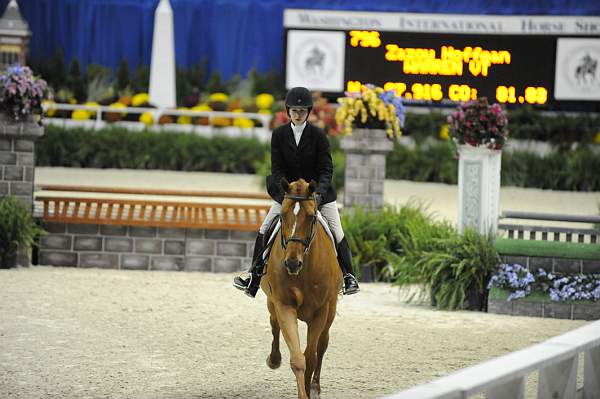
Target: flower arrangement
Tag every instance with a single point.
(371, 107)
(21, 93)
(477, 123)
(520, 282)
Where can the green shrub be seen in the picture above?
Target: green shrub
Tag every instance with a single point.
(120, 148)
(17, 230)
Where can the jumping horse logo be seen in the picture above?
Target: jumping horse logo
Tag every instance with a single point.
(314, 63)
(585, 73)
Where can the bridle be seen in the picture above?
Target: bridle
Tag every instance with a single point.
(305, 242)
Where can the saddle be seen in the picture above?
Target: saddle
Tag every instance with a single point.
(271, 233)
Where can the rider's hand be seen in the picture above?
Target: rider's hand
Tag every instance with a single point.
(319, 199)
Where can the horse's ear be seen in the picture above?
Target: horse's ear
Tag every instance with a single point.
(312, 186)
(285, 184)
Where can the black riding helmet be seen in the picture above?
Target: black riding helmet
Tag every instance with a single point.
(298, 97)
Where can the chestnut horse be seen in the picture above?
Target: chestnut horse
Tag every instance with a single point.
(303, 280)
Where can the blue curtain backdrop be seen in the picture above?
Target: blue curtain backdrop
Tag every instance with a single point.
(232, 36)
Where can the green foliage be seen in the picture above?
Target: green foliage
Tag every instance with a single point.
(407, 246)
(75, 81)
(141, 79)
(430, 163)
(269, 82)
(215, 85)
(390, 239)
(555, 249)
(423, 126)
(121, 148)
(457, 270)
(17, 229)
(123, 75)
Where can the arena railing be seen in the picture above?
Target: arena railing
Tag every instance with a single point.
(556, 360)
(552, 233)
(97, 121)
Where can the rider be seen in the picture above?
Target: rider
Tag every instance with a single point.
(301, 150)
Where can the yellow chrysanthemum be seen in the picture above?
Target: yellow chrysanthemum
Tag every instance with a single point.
(140, 99)
(597, 138)
(264, 101)
(147, 118)
(242, 122)
(80, 115)
(202, 107)
(118, 105)
(444, 132)
(92, 104)
(184, 119)
(218, 97)
(49, 107)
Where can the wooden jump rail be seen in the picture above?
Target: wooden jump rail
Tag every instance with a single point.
(524, 232)
(159, 213)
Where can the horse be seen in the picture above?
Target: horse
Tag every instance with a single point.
(314, 63)
(302, 282)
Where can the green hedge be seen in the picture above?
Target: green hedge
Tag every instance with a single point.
(555, 249)
(121, 148)
(524, 123)
(574, 170)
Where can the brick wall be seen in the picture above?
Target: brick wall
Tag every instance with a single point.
(146, 248)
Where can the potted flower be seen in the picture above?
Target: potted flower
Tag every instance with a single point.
(372, 108)
(480, 131)
(18, 230)
(477, 123)
(21, 93)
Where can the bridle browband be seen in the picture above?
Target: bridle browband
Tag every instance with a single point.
(305, 242)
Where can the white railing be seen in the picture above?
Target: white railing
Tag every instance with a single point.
(504, 377)
(96, 121)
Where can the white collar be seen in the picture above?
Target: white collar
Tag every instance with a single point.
(298, 129)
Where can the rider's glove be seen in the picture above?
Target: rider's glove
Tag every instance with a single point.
(319, 199)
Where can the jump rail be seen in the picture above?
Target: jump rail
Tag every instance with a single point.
(504, 377)
(159, 213)
(524, 232)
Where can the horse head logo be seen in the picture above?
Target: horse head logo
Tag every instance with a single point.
(585, 73)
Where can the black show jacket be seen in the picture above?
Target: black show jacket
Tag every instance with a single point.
(310, 160)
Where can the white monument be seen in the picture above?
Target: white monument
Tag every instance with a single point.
(162, 69)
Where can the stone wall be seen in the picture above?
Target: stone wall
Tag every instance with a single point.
(17, 144)
(146, 248)
(364, 172)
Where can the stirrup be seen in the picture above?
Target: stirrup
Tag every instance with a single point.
(354, 291)
(241, 283)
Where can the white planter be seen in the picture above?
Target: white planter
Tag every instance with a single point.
(478, 188)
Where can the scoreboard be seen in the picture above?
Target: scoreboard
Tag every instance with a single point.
(549, 62)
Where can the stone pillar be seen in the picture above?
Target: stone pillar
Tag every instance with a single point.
(478, 188)
(17, 149)
(364, 173)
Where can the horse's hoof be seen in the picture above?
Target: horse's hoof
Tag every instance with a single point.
(315, 391)
(273, 365)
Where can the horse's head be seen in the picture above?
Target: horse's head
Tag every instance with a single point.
(298, 215)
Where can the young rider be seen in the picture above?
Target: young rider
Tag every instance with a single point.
(301, 150)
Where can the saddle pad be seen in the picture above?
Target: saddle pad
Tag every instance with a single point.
(321, 220)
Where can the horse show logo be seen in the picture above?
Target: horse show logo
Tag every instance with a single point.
(315, 61)
(577, 74)
(585, 71)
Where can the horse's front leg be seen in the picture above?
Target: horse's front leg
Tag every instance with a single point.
(322, 348)
(274, 358)
(315, 329)
(288, 321)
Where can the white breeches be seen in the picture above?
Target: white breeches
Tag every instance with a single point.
(329, 211)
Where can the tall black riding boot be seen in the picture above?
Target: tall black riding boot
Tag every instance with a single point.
(345, 259)
(251, 284)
